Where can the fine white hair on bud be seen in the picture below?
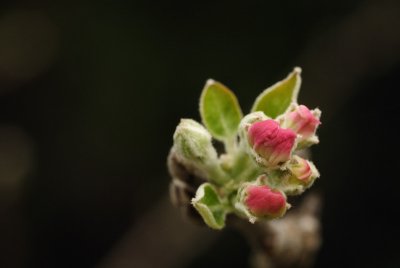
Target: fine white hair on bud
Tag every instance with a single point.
(192, 143)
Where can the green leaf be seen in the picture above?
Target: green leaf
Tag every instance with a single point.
(210, 207)
(220, 110)
(276, 99)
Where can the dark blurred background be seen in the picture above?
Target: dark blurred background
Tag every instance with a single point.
(91, 92)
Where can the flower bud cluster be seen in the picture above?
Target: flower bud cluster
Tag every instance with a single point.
(260, 166)
(272, 144)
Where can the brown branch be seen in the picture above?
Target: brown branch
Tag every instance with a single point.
(292, 241)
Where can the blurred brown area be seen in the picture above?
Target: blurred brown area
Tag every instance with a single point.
(91, 91)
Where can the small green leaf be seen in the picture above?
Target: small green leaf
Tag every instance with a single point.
(220, 110)
(276, 99)
(210, 207)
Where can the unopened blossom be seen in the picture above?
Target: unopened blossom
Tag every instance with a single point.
(303, 170)
(263, 201)
(271, 143)
(303, 121)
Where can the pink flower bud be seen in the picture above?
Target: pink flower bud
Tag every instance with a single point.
(262, 201)
(300, 168)
(271, 142)
(303, 170)
(303, 121)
